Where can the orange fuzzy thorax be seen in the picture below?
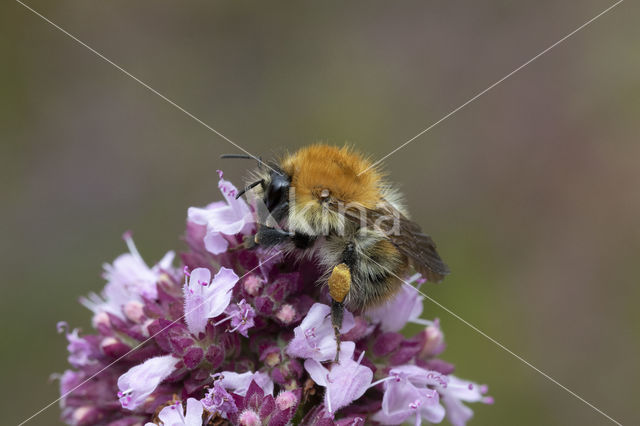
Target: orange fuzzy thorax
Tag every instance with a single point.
(319, 167)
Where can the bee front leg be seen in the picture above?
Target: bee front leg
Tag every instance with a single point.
(269, 237)
(339, 286)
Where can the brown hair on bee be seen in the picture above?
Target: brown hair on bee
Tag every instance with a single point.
(329, 204)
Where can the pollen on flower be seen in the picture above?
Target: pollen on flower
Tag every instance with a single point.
(242, 336)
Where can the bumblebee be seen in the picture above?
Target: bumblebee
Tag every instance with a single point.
(330, 204)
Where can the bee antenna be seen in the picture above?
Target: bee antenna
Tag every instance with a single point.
(248, 187)
(242, 156)
(245, 157)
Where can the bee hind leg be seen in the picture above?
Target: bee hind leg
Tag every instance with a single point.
(339, 286)
(337, 313)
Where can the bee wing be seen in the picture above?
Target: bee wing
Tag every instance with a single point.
(420, 249)
(406, 235)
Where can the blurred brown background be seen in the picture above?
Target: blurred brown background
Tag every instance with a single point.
(532, 191)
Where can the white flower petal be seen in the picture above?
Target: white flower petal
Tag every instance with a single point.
(140, 381)
(238, 383)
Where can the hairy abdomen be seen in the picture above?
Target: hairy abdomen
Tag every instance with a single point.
(375, 266)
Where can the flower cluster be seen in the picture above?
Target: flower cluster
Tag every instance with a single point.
(243, 336)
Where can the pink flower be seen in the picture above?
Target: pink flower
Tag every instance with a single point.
(459, 390)
(345, 382)
(173, 415)
(286, 400)
(223, 219)
(83, 351)
(405, 307)
(256, 408)
(172, 348)
(407, 394)
(140, 381)
(249, 418)
(314, 338)
(205, 298)
(238, 383)
(241, 315)
(432, 340)
(252, 284)
(218, 400)
(128, 279)
(286, 314)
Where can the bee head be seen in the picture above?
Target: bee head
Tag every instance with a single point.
(276, 194)
(297, 190)
(323, 177)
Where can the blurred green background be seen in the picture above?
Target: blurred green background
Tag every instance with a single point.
(532, 192)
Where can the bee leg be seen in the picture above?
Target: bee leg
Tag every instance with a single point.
(339, 285)
(303, 241)
(268, 237)
(337, 313)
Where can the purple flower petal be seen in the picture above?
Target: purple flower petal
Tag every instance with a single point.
(129, 279)
(219, 400)
(345, 382)
(315, 338)
(404, 307)
(455, 393)
(173, 414)
(230, 218)
(204, 299)
(241, 315)
(239, 383)
(193, 356)
(140, 381)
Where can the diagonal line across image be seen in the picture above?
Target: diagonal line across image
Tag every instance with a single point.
(503, 347)
(479, 94)
(138, 346)
(145, 85)
(201, 122)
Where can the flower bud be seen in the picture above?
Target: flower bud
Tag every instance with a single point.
(101, 319)
(272, 359)
(86, 415)
(286, 314)
(433, 341)
(249, 418)
(134, 311)
(113, 347)
(286, 400)
(252, 285)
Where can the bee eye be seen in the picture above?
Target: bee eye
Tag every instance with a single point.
(276, 191)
